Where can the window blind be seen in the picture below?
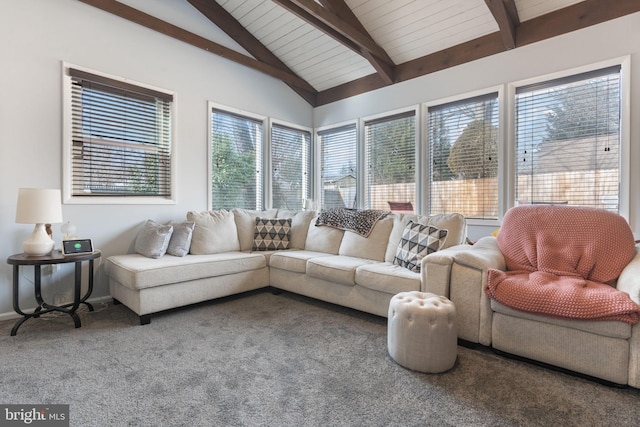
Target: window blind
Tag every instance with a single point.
(121, 138)
(290, 167)
(338, 167)
(236, 161)
(568, 141)
(390, 151)
(463, 153)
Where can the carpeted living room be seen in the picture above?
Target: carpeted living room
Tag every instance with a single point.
(179, 185)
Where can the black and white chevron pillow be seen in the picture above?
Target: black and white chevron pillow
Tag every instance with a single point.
(271, 234)
(417, 241)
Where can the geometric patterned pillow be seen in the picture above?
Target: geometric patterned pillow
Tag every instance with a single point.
(418, 241)
(271, 234)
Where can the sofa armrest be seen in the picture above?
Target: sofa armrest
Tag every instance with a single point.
(435, 270)
(483, 255)
(629, 280)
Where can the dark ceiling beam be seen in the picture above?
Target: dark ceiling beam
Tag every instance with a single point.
(342, 31)
(134, 15)
(227, 23)
(385, 68)
(506, 16)
(562, 21)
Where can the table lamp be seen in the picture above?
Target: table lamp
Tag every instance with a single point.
(38, 206)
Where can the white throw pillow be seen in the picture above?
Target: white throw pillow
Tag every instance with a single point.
(371, 247)
(323, 239)
(300, 221)
(215, 232)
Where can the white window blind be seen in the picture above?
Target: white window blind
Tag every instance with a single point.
(390, 150)
(338, 171)
(568, 140)
(121, 138)
(236, 159)
(463, 154)
(290, 167)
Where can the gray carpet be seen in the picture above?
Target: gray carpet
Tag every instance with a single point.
(278, 360)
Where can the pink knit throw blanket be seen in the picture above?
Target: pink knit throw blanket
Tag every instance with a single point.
(561, 262)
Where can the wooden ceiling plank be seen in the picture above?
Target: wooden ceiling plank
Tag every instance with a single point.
(134, 15)
(506, 23)
(562, 21)
(227, 23)
(363, 40)
(384, 67)
(574, 17)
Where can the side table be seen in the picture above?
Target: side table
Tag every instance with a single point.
(53, 258)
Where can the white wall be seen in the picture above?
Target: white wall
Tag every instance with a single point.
(611, 39)
(35, 37)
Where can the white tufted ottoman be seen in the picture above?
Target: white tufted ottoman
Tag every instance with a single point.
(422, 333)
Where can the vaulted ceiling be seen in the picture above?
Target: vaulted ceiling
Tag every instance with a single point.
(327, 50)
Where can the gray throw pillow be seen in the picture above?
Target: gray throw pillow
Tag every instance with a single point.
(153, 239)
(180, 241)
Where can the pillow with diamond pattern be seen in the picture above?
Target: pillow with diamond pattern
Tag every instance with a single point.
(418, 241)
(271, 234)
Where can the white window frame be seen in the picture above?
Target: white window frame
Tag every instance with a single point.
(268, 182)
(317, 178)
(362, 153)
(625, 118)
(67, 164)
(266, 134)
(502, 161)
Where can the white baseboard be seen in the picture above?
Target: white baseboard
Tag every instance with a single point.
(13, 315)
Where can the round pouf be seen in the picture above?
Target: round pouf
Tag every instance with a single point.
(422, 333)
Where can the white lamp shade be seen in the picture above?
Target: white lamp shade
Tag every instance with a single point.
(38, 206)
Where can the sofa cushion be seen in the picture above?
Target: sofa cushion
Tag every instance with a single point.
(417, 242)
(323, 239)
(455, 224)
(271, 234)
(386, 277)
(300, 221)
(295, 261)
(180, 241)
(246, 222)
(372, 247)
(153, 239)
(607, 328)
(138, 272)
(215, 232)
(338, 268)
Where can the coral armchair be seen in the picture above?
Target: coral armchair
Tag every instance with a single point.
(558, 285)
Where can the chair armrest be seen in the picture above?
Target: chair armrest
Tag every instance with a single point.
(629, 280)
(483, 255)
(435, 270)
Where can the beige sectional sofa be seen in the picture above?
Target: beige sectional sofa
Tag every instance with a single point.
(322, 262)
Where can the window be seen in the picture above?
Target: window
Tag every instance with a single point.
(338, 173)
(236, 161)
(290, 167)
(120, 138)
(390, 147)
(463, 154)
(568, 140)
